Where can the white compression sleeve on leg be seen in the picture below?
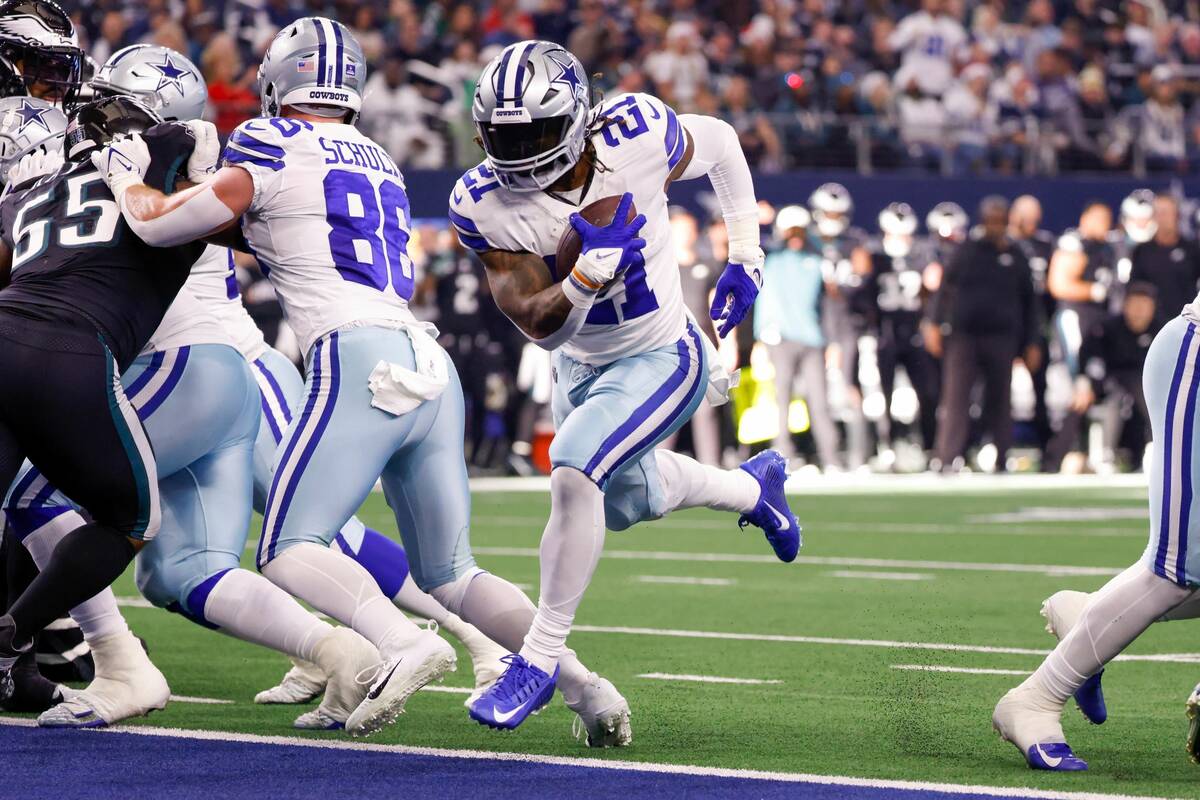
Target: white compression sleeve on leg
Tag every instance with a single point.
(251, 608)
(689, 484)
(199, 216)
(410, 598)
(570, 550)
(1188, 609)
(96, 617)
(1113, 618)
(339, 586)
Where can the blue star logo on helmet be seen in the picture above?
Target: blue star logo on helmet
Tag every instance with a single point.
(568, 74)
(171, 75)
(32, 115)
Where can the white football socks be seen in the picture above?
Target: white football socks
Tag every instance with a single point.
(1115, 616)
(569, 553)
(339, 586)
(410, 598)
(251, 608)
(689, 484)
(97, 617)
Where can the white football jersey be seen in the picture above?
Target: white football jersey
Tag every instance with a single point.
(188, 321)
(214, 281)
(1192, 311)
(638, 149)
(329, 223)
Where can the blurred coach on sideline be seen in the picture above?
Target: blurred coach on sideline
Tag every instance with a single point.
(983, 317)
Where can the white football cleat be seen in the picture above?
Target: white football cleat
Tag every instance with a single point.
(303, 683)
(1033, 725)
(342, 656)
(485, 658)
(1062, 610)
(427, 657)
(603, 714)
(1193, 715)
(127, 685)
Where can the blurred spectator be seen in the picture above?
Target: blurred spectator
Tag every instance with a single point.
(787, 319)
(970, 119)
(984, 318)
(1083, 275)
(921, 118)
(680, 70)
(929, 40)
(1168, 262)
(229, 94)
(394, 116)
(1113, 354)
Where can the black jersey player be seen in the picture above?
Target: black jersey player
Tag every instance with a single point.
(82, 295)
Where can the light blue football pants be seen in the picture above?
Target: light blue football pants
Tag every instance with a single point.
(337, 445)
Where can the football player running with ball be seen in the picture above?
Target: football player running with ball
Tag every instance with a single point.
(630, 365)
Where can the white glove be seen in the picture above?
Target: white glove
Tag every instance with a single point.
(593, 271)
(122, 162)
(207, 152)
(34, 165)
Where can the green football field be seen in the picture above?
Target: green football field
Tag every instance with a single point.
(833, 653)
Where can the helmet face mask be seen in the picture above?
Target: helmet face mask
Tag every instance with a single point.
(948, 221)
(531, 110)
(897, 223)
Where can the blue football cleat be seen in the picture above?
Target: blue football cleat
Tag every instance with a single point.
(1090, 699)
(1056, 757)
(772, 513)
(522, 690)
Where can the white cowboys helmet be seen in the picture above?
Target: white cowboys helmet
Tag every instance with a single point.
(789, 218)
(26, 124)
(162, 79)
(898, 224)
(531, 109)
(1137, 216)
(948, 221)
(831, 207)
(316, 65)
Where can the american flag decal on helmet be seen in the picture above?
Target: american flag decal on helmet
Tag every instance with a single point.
(306, 65)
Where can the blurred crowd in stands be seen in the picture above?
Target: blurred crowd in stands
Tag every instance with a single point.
(956, 86)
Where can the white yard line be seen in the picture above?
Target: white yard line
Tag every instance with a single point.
(588, 763)
(1165, 658)
(880, 576)
(683, 580)
(667, 676)
(1054, 570)
(1133, 485)
(446, 689)
(963, 670)
(204, 701)
(1170, 658)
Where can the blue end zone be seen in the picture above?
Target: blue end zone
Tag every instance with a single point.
(98, 765)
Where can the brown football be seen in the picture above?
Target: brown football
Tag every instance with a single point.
(570, 246)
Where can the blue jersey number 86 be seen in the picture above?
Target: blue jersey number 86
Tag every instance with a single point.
(369, 231)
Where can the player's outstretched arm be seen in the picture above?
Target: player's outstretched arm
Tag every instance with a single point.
(163, 220)
(714, 150)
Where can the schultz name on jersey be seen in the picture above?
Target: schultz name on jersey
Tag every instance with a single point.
(636, 149)
(329, 223)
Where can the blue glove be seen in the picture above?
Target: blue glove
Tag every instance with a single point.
(617, 235)
(737, 289)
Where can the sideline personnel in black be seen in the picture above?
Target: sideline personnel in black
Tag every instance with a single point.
(984, 316)
(1168, 262)
(82, 295)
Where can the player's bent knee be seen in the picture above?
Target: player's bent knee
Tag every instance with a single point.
(451, 593)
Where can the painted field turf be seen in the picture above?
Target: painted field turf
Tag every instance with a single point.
(828, 649)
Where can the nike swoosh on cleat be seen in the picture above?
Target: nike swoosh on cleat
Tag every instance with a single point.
(505, 716)
(377, 689)
(784, 522)
(1050, 761)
